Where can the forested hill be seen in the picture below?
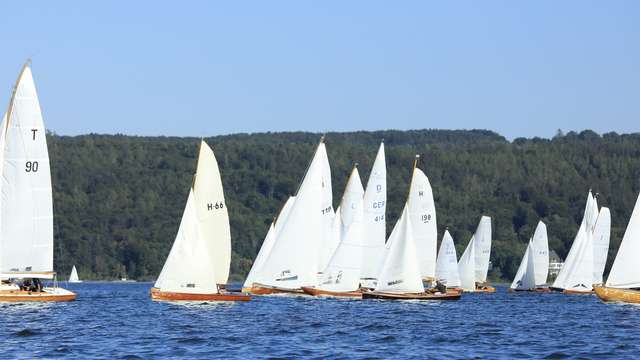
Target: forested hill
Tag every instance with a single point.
(118, 199)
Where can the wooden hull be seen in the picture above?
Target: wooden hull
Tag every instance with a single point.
(28, 296)
(411, 296)
(608, 294)
(574, 292)
(536, 290)
(484, 289)
(257, 289)
(326, 293)
(158, 295)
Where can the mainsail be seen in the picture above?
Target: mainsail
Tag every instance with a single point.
(293, 261)
(447, 263)
(211, 210)
(625, 272)
(423, 219)
(374, 205)
(467, 266)
(483, 248)
(343, 271)
(26, 206)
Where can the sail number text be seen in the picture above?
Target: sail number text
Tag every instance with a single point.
(217, 205)
(31, 166)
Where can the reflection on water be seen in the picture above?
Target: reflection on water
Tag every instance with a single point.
(120, 320)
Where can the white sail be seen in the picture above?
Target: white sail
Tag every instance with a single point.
(467, 267)
(400, 272)
(26, 206)
(540, 247)
(293, 261)
(561, 279)
(423, 219)
(580, 275)
(483, 248)
(517, 280)
(447, 263)
(343, 271)
(601, 235)
(190, 266)
(267, 244)
(211, 210)
(529, 278)
(330, 239)
(375, 200)
(577, 273)
(73, 277)
(625, 272)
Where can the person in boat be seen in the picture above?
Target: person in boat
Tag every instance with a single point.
(440, 287)
(37, 285)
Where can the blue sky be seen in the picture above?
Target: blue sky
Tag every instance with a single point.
(203, 68)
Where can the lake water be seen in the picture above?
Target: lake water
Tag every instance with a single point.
(111, 320)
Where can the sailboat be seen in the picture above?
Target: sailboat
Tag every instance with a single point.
(585, 262)
(198, 264)
(374, 212)
(341, 278)
(26, 205)
(267, 245)
(305, 235)
(447, 263)
(534, 267)
(73, 277)
(401, 275)
(623, 283)
(474, 262)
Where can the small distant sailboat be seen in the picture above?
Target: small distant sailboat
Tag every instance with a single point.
(301, 242)
(341, 278)
(401, 275)
(73, 277)
(584, 265)
(474, 262)
(26, 205)
(198, 264)
(534, 267)
(447, 264)
(623, 283)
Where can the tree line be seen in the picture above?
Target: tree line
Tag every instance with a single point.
(118, 199)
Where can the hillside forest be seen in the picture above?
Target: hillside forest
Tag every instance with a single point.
(118, 199)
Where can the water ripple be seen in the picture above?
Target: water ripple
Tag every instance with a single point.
(120, 321)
